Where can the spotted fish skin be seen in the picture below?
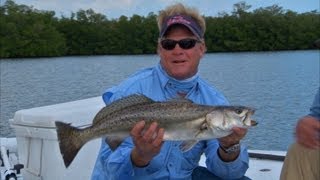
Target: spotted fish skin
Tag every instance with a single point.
(181, 119)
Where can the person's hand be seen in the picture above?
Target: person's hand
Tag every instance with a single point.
(308, 132)
(234, 138)
(147, 143)
(230, 140)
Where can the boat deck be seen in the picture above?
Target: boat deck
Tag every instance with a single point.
(264, 165)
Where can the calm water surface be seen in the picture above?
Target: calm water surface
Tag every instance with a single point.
(280, 85)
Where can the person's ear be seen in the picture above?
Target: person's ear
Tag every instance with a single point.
(203, 48)
(158, 48)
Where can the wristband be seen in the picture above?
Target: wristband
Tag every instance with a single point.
(232, 149)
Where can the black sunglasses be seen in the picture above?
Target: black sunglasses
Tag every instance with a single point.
(170, 44)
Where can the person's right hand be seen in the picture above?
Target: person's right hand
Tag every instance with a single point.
(308, 132)
(147, 143)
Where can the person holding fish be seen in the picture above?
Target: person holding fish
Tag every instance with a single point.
(145, 154)
(303, 157)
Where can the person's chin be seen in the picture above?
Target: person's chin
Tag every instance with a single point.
(180, 75)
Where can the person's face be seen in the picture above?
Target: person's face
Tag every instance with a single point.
(181, 63)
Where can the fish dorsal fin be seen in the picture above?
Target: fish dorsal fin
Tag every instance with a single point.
(119, 104)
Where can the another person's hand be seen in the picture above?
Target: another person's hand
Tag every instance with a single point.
(147, 143)
(234, 138)
(308, 132)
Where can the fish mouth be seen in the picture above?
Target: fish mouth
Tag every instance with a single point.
(253, 122)
(246, 119)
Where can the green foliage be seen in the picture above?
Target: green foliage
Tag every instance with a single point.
(28, 32)
(264, 29)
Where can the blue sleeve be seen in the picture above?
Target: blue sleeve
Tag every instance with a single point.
(315, 108)
(99, 170)
(229, 170)
(115, 164)
(118, 165)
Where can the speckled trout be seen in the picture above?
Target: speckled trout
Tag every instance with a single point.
(181, 119)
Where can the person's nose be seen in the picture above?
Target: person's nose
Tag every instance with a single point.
(177, 49)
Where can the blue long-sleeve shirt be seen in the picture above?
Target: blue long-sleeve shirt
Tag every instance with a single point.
(170, 163)
(315, 108)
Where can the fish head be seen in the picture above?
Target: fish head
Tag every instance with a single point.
(227, 117)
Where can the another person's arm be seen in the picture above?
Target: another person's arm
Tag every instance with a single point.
(308, 127)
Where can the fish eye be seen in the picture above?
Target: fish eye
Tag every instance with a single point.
(238, 111)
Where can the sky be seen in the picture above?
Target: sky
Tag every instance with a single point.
(116, 8)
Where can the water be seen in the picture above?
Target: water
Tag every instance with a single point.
(280, 85)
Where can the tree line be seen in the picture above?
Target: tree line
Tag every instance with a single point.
(28, 32)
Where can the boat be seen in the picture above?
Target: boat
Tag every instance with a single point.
(34, 153)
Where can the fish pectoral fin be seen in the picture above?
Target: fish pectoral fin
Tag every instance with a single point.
(113, 142)
(187, 145)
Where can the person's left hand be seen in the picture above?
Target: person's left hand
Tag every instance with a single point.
(234, 138)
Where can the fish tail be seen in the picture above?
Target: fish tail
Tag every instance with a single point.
(69, 141)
